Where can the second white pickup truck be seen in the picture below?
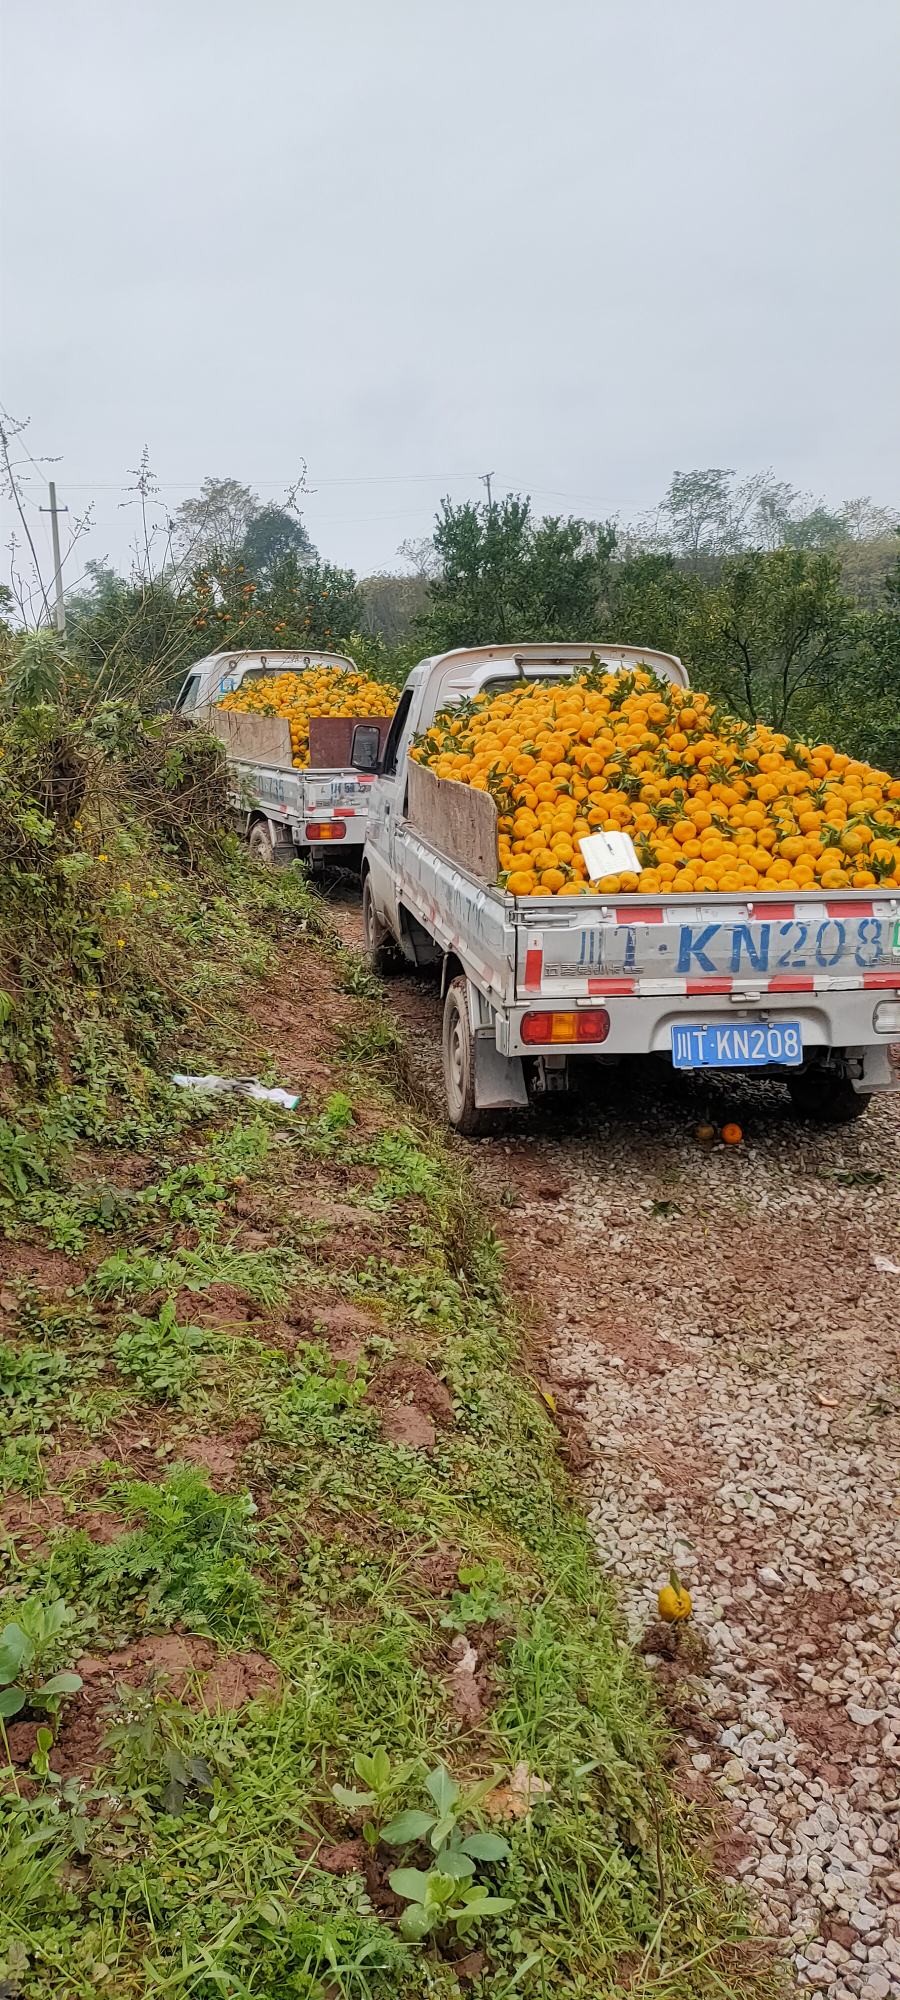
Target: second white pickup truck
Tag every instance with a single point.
(801, 986)
(318, 811)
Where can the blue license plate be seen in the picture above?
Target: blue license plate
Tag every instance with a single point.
(737, 1045)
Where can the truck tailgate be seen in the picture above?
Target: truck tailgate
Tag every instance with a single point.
(343, 794)
(799, 944)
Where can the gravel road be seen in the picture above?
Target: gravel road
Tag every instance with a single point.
(722, 1326)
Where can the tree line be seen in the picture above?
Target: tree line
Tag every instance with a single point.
(786, 610)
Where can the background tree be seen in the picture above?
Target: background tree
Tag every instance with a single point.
(421, 556)
(770, 636)
(215, 522)
(708, 513)
(504, 575)
(272, 534)
(299, 604)
(227, 523)
(391, 607)
(650, 600)
(861, 711)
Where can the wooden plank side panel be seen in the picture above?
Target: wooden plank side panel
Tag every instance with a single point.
(257, 739)
(459, 822)
(331, 738)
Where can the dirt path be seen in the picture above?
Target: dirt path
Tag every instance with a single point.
(724, 1325)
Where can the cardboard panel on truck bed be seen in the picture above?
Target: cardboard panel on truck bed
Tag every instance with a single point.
(331, 738)
(256, 739)
(459, 822)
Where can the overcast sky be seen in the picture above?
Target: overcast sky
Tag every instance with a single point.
(578, 243)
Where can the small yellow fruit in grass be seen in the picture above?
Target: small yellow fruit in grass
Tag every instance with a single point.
(674, 1601)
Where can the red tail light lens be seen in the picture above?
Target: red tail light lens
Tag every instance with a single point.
(536, 1027)
(326, 829)
(588, 1025)
(593, 1025)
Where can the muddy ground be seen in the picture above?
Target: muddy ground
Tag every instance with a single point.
(719, 1329)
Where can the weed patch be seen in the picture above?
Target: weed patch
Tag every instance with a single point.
(347, 1832)
(188, 1561)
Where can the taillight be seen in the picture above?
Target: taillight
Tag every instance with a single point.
(590, 1024)
(325, 829)
(593, 1025)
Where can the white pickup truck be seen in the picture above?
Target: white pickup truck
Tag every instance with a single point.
(801, 986)
(318, 811)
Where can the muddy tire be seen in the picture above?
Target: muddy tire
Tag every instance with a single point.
(459, 1068)
(380, 951)
(267, 852)
(826, 1097)
(261, 844)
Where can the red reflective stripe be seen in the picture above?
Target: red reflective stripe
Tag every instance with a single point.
(882, 978)
(791, 982)
(850, 909)
(612, 985)
(709, 985)
(652, 914)
(534, 966)
(771, 912)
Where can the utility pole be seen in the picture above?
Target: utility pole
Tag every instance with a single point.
(486, 478)
(54, 513)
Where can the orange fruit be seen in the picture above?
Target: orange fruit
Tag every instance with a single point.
(715, 807)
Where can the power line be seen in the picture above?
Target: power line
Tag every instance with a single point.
(349, 479)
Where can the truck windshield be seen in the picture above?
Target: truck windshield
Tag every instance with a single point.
(266, 673)
(498, 682)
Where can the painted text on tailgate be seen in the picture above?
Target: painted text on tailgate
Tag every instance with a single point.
(819, 944)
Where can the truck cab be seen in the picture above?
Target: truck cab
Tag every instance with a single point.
(218, 674)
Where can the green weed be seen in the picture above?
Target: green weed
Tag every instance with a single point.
(406, 1172)
(189, 1559)
(374, 1043)
(160, 1353)
(154, 1759)
(31, 1645)
(31, 1381)
(263, 1275)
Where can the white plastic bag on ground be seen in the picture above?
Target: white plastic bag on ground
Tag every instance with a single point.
(241, 1086)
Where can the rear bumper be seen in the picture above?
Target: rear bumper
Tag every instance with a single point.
(643, 1026)
(328, 836)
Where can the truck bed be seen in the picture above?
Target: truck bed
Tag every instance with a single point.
(565, 949)
(258, 752)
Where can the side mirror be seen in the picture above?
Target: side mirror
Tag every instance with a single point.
(365, 747)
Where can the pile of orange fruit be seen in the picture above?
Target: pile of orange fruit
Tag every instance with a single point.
(307, 692)
(711, 803)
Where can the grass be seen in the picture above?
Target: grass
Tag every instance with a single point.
(170, 1846)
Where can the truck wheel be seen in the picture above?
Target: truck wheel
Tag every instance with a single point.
(826, 1097)
(268, 852)
(261, 844)
(378, 945)
(459, 1067)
